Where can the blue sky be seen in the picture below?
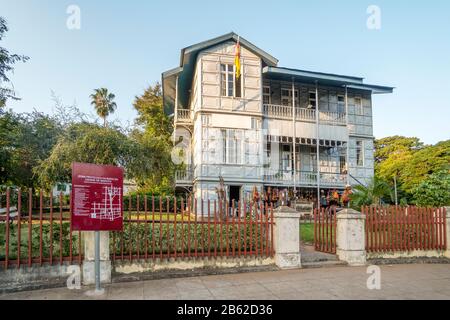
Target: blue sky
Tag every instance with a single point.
(125, 45)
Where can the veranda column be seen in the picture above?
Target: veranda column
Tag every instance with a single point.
(89, 258)
(351, 238)
(447, 252)
(287, 238)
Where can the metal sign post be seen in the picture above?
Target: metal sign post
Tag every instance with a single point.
(98, 289)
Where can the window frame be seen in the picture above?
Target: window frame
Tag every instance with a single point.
(289, 97)
(231, 140)
(267, 94)
(361, 153)
(227, 72)
(359, 109)
(314, 107)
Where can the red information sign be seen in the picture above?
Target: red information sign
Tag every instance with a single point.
(97, 193)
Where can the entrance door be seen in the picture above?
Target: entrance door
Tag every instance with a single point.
(235, 195)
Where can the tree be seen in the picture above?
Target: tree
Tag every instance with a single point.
(25, 140)
(85, 142)
(385, 147)
(104, 104)
(424, 163)
(410, 162)
(376, 192)
(433, 191)
(7, 60)
(154, 135)
(392, 154)
(151, 113)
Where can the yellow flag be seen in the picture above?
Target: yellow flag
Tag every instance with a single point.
(237, 60)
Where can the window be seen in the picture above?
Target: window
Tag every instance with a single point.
(256, 124)
(286, 158)
(359, 153)
(61, 187)
(206, 120)
(312, 100)
(342, 165)
(286, 97)
(230, 86)
(267, 99)
(341, 104)
(231, 143)
(358, 106)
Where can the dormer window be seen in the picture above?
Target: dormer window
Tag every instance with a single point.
(229, 85)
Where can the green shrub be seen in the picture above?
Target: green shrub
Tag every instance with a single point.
(165, 237)
(35, 240)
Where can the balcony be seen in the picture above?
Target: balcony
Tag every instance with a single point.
(304, 114)
(305, 179)
(184, 177)
(184, 116)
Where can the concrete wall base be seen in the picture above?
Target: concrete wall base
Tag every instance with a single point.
(35, 277)
(353, 258)
(89, 272)
(125, 267)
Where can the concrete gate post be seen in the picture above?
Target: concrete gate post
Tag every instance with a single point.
(89, 258)
(287, 238)
(350, 237)
(447, 251)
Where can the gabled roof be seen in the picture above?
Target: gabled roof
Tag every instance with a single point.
(185, 71)
(196, 48)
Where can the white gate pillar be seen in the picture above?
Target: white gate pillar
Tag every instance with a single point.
(287, 238)
(350, 234)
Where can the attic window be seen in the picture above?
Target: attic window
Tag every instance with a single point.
(229, 85)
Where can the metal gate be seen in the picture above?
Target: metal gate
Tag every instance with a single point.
(325, 230)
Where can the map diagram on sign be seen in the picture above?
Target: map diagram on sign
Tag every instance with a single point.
(109, 208)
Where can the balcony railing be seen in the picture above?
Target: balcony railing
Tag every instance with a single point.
(184, 115)
(332, 117)
(303, 114)
(184, 176)
(305, 178)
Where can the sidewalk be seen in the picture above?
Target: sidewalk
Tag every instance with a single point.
(414, 281)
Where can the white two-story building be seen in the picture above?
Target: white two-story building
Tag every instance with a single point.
(272, 126)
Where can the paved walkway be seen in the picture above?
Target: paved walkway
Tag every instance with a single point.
(420, 281)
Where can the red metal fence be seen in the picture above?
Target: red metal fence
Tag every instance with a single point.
(325, 230)
(36, 229)
(390, 229)
(163, 228)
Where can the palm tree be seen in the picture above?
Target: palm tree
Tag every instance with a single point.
(372, 194)
(103, 102)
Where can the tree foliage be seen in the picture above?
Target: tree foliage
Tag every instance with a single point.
(104, 104)
(85, 142)
(7, 61)
(413, 164)
(433, 191)
(154, 136)
(424, 163)
(25, 140)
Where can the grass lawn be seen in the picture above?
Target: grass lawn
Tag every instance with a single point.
(307, 232)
